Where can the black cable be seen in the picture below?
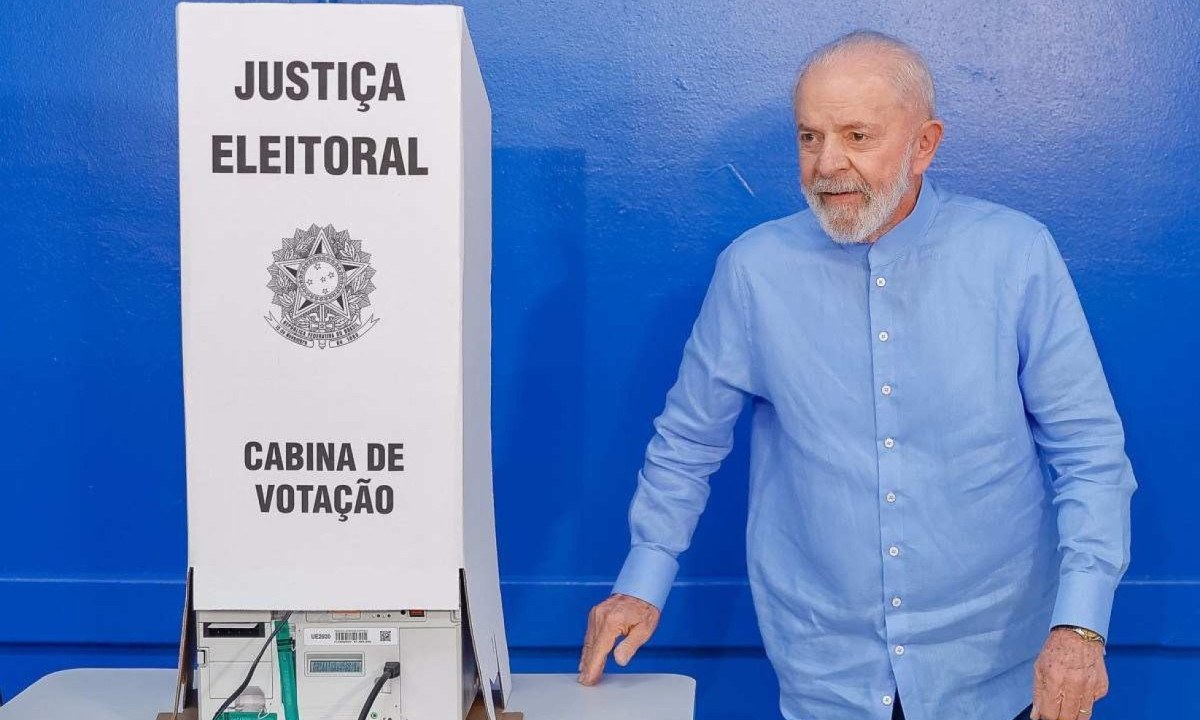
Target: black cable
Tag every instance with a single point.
(390, 670)
(253, 666)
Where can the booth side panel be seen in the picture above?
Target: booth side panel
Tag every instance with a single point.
(482, 571)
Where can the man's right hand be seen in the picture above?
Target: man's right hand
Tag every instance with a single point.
(619, 615)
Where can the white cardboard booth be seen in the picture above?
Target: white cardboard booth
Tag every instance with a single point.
(335, 213)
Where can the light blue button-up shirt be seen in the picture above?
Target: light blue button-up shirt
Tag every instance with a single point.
(903, 531)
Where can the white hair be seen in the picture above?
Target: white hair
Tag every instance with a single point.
(908, 72)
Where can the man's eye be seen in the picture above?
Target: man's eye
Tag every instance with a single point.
(806, 137)
(857, 136)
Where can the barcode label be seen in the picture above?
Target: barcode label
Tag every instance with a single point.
(350, 636)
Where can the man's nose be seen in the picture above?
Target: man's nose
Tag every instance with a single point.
(832, 159)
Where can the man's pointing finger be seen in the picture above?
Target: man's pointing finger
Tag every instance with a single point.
(597, 654)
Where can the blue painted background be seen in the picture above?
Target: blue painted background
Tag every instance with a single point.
(633, 140)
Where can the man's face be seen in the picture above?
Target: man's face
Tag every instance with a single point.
(856, 141)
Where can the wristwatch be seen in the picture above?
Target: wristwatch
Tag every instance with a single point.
(1086, 634)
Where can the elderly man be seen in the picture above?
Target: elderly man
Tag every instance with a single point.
(938, 482)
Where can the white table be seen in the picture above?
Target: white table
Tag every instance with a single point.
(87, 694)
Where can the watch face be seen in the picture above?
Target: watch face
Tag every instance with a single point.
(320, 278)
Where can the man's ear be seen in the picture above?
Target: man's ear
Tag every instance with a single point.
(929, 137)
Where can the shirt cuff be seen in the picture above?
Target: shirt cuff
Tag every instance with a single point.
(1084, 600)
(647, 574)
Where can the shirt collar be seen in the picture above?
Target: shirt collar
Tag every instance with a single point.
(910, 231)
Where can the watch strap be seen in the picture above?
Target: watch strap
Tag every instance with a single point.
(1085, 633)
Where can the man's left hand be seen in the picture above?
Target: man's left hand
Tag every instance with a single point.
(1068, 678)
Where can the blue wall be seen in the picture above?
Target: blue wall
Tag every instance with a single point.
(633, 140)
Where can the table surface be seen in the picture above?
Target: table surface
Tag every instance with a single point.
(140, 694)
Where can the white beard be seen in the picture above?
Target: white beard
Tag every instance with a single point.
(848, 225)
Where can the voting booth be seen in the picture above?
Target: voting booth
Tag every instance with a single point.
(335, 213)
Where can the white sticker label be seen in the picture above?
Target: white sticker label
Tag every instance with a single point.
(350, 636)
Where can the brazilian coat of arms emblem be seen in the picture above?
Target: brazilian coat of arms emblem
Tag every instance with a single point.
(321, 280)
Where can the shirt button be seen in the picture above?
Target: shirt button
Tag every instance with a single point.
(889, 443)
(891, 497)
(880, 282)
(883, 336)
(886, 389)
(899, 649)
(895, 602)
(893, 551)
(887, 699)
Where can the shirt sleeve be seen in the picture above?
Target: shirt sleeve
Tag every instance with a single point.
(692, 436)
(1079, 434)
